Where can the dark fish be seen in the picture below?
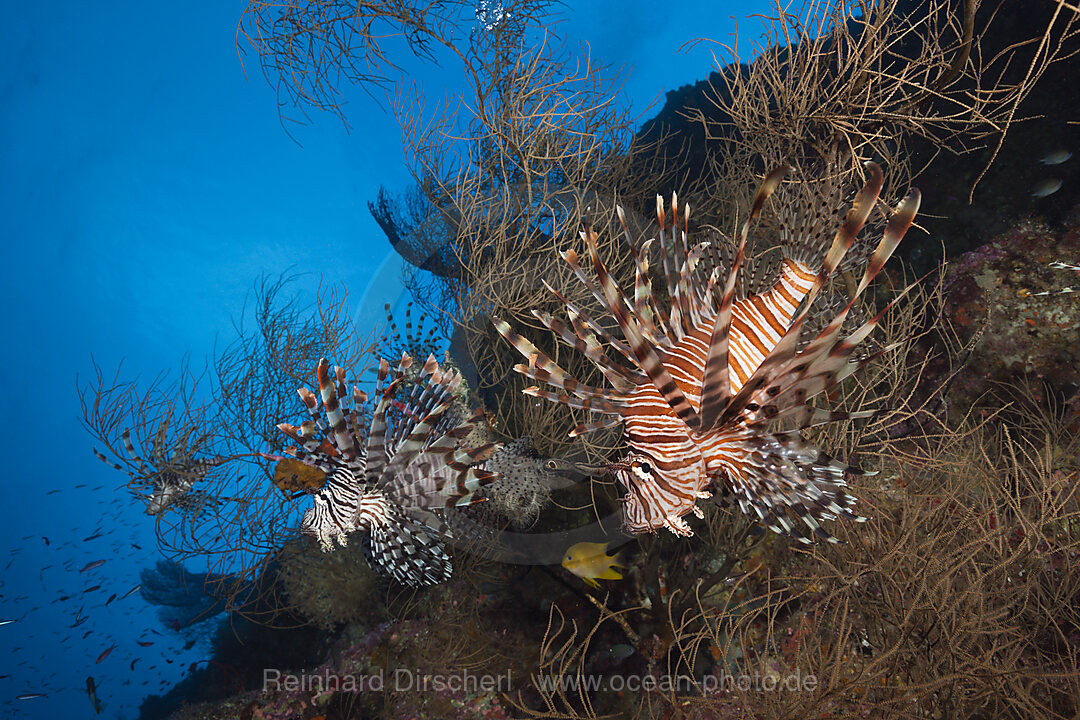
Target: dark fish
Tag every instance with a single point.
(92, 589)
(91, 692)
(95, 536)
(1056, 157)
(46, 540)
(130, 591)
(111, 598)
(105, 654)
(52, 492)
(133, 663)
(92, 565)
(87, 634)
(144, 643)
(1046, 187)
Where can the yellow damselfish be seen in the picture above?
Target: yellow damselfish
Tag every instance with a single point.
(590, 562)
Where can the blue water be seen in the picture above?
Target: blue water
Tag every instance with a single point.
(145, 184)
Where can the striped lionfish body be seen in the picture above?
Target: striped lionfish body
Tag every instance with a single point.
(393, 479)
(707, 380)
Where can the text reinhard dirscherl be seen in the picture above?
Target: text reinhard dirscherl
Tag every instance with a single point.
(409, 680)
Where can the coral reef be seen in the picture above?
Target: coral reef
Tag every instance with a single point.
(959, 595)
(329, 589)
(1007, 291)
(183, 598)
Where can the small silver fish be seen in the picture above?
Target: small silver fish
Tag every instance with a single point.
(1056, 158)
(6, 622)
(134, 589)
(1046, 187)
(30, 696)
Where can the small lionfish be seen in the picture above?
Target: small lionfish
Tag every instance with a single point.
(170, 477)
(706, 380)
(394, 479)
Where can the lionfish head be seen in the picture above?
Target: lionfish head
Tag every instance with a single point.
(659, 492)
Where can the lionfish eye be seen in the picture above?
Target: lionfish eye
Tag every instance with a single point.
(645, 468)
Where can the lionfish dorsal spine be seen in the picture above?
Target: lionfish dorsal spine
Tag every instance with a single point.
(579, 316)
(376, 451)
(411, 446)
(339, 428)
(541, 367)
(716, 383)
(644, 351)
(585, 342)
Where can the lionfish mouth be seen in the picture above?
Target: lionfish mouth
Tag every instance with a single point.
(617, 467)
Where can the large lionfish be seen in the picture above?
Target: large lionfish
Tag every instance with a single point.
(392, 479)
(707, 380)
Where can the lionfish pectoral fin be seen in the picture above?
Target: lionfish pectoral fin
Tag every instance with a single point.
(895, 230)
(792, 486)
(678, 526)
(849, 229)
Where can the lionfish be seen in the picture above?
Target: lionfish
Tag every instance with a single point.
(170, 477)
(392, 479)
(706, 382)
